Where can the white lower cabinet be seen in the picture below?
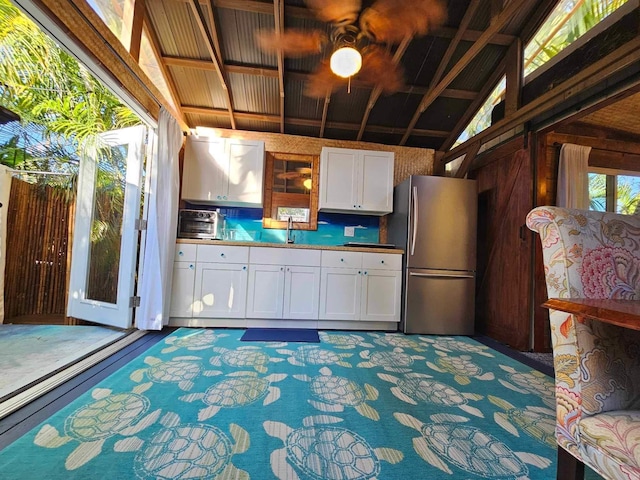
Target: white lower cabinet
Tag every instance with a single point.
(278, 290)
(184, 276)
(220, 290)
(220, 287)
(218, 281)
(351, 290)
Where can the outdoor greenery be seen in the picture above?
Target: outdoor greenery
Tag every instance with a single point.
(49, 88)
(63, 109)
(627, 193)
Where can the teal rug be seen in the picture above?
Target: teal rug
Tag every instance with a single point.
(356, 406)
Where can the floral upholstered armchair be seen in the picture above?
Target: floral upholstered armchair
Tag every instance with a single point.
(597, 366)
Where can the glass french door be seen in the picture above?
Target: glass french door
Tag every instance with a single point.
(105, 238)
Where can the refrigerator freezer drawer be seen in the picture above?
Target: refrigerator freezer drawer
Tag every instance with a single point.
(439, 303)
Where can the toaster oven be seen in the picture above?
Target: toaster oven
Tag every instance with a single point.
(204, 224)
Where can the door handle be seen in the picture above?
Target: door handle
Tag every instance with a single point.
(440, 275)
(415, 220)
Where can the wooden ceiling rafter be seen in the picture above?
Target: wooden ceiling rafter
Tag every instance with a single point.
(278, 15)
(211, 41)
(273, 73)
(377, 90)
(134, 16)
(453, 45)
(155, 46)
(306, 122)
(325, 112)
(483, 41)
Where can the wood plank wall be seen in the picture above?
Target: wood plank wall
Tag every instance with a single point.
(38, 221)
(505, 196)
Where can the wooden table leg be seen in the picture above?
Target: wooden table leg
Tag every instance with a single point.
(569, 467)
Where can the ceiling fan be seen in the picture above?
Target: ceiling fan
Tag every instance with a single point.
(360, 42)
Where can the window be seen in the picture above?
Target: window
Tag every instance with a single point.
(614, 191)
(569, 21)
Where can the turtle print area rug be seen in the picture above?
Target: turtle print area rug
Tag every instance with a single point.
(358, 405)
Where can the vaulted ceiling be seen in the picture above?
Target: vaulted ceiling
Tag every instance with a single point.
(219, 77)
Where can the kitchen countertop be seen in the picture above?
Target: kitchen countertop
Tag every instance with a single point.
(290, 245)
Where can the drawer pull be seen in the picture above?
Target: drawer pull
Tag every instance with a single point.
(244, 267)
(381, 261)
(222, 254)
(342, 259)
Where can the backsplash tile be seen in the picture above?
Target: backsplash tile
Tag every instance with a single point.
(245, 224)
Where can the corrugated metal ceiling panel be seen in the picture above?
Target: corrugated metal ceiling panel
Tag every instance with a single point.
(348, 107)
(237, 36)
(476, 73)
(308, 63)
(302, 130)
(394, 110)
(197, 87)
(422, 58)
(214, 121)
(443, 114)
(257, 125)
(298, 105)
(252, 93)
(175, 27)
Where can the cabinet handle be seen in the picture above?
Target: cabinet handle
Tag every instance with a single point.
(288, 269)
(191, 267)
(244, 267)
(359, 272)
(355, 206)
(342, 259)
(282, 269)
(180, 253)
(381, 261)
(222, 254)
(365, 273)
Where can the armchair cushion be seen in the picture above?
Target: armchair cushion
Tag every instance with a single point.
(597, 366)
(613, 434)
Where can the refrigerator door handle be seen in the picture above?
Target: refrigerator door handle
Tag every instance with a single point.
(415, 219)
(441, 275)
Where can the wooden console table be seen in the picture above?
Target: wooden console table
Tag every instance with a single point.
(624, 313)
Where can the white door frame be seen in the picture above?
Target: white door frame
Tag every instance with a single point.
(119, 314)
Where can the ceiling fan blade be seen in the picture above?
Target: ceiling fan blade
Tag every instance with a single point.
(390, 21)
(378, 68)
(323, 81)
(338, 12)
(293, 42)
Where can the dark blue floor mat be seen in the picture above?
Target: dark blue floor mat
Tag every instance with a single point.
(280, 335)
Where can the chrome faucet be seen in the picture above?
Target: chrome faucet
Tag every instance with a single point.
(290, 238)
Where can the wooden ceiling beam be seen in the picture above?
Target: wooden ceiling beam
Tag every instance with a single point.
(435, 92)
(273, 73)
(377, 90)
(278, 15)
(307, 122)
(325, 113)
(216, 58)
(133, 15)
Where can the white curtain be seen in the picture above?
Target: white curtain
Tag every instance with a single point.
(157, 270)
(5, 188)
(573, 178)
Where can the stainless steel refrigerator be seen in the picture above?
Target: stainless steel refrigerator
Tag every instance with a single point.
(434, 221)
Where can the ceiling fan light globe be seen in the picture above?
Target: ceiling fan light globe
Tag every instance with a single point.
(346, 62)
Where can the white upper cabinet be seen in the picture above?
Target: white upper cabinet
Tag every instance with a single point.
(356, 181)
(223, 171)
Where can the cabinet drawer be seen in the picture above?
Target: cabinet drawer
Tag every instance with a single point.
(185, 252)
(285, 256)
(382, 261)
(222, 254)
(341, 259)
